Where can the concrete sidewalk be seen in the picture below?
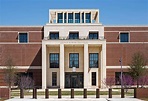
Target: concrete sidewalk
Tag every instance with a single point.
(77, 98)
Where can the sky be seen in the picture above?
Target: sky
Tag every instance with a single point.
(35, 12)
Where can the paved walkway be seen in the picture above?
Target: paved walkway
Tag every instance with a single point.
(77, 98)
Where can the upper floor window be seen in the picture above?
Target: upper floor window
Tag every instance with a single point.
(82, 17)
(88, 18)
(74, 60)
(93, 35)
(74, 35)
(54, 60)
(70, 17)
(54, 35)
(124, 37)
(93, 60)
(23, 37)
(60, 17)
(65, 17)
(77, 17)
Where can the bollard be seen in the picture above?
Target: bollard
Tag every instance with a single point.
(34, 93)
(46, 93)
(59, 93)
(135, 93)
(97, 93)
(122, 92)
(21, 93)
(85, 93)
(110, 92)
(72, 93)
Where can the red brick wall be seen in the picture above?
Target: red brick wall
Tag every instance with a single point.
(4, 93)
(142, 92)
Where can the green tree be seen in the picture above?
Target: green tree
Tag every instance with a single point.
(137, 66)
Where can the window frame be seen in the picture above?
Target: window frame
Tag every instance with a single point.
(54, 60)
(93, 60)
(128, 36)
(74, 60)
(70, 20)
(27, 37)
(54, 35)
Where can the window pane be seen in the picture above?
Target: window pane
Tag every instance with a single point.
(93, 60)
(93, 35)
(54, 60)
(94, 78)
(77, 17)
(88, 17)
(54, 79)
(54, 35)
(60, 17)
(70, 17)
(73, 35)
(124, 37)
(23, 37)
(74, 60)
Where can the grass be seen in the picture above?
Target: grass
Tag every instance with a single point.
(52, 93)
(145, 99)
(2, 99)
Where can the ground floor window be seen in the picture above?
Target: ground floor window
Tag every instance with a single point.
(54, 78)
(93, 78)
(117, 77)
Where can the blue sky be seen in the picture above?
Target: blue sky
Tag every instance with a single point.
(35, 12)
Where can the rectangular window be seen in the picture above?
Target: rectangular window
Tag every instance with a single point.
(88, 18)
(117, 77)
(93, 78)
(124, 37)
(74, 60)
(60, 17)
(54, 78)
(93, 60)
(23, 37)
(74, 35)
(65, 17)
(93, 35)
(54, 35)
(70, 17)
(54, 60)
(77, 17)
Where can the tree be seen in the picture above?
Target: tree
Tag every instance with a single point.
(143, 80)
(25, 82)
(137, 66)
(109, 82)
(9, 72)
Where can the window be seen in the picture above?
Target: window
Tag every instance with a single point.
(54, 78)
(88, 17)
(93, 78)
(65, 16)
(23, 37)
(60, 17)
(54, 60)
(93, 60)
(73, 35)
(82, 17)
(93, 35)
(77, 17)
(74, 60)
(70, 17)
(124, 37)
(54, 35)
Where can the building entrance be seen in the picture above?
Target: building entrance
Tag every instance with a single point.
(74, 80)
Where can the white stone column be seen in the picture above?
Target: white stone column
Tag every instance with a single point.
(103, 64)
(86, 65)
(56, 18)
(80, 17)
(90, 17)
(62, 79)
(73, 17)
(44, 66)
(84, 17)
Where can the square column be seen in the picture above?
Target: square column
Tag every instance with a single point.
(44, 66)
(62, 79)
(103, 64)
(86, 65)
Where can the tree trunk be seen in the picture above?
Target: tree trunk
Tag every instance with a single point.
(137, 83)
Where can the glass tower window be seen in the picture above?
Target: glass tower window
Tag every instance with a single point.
(60, 17)
(124, 37)
(74, 60)
(23, 37)
(73, 35)
(54, 60)
(88, 18)
(93, 60)
(77, 17)
(93, 35)
(54, 35)
(70, 17)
